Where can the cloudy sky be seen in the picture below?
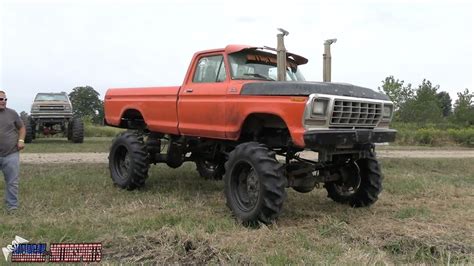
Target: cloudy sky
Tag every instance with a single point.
(53, 46)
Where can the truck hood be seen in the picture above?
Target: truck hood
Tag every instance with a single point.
(285, 88)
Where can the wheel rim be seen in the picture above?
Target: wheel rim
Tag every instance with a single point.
(247, 186)
(351, 186)
(346, 191)
(122, 163)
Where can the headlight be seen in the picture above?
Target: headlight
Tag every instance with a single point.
(320, 107)
(387, 111)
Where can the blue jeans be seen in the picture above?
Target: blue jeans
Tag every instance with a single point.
(10, 166)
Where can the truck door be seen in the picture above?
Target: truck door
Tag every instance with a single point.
(201, 103)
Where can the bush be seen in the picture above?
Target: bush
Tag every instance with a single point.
(464, 136)
(100, 131)
(434, 135)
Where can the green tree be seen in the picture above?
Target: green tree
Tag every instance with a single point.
(24, 115)
(445, 103)
(87, 104)
(395, 90)
(424, 107)
(464, 108)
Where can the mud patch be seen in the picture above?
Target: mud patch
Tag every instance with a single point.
(429, 250)
(167, 246)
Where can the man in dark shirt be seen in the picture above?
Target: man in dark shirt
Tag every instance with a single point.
(12, 140)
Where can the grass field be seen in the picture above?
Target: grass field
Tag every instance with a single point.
(52, 145)
(424, 215)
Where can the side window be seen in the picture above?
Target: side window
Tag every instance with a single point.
(210, 69)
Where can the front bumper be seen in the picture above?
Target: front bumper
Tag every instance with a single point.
(51, 115)
(339, 137)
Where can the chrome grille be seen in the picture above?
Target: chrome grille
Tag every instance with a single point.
(51, 108)
(347, 113)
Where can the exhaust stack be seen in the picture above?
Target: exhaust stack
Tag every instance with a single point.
(327, 60)
(281, 55)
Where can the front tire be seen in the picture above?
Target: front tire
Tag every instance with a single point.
(77, 131)
(128, 161)
(365, 192)
(254, 184)
(29, 136)
(69, 130)
(33, 127)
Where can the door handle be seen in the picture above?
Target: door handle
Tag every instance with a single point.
(189, 90)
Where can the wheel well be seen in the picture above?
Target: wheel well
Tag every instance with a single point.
(265, 128)
(132, 118)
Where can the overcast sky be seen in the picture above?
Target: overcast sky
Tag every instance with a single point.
(53, 46)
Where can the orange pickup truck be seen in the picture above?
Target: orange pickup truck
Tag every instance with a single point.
(232, 118)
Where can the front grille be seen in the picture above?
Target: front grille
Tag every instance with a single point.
(51, 108)
(347, 113)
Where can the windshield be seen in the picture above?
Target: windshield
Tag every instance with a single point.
(263, 66)
(51, 97)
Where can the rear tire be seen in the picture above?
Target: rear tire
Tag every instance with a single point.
(29, 136)
(33, 127)
(69, 130)
(77, 128)
(254, 184)
(128, 161)
(368, 189)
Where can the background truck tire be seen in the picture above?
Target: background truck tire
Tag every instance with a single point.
(128, 161)
(69, 130)
(29, 136)
(209, 170)
(254, 184)
(77, 131)
(367, 192)
(33, 127)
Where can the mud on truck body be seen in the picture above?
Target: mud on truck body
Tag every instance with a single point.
(51, 114)
(237, 122)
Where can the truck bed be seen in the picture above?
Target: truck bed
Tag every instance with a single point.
(157, 104)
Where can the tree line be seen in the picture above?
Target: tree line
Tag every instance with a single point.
(427, 104)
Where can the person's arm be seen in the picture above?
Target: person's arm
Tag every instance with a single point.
(21, 138)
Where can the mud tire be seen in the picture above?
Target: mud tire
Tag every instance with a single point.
(77, 131)
(369, 189)
(128, 161)
(254, 184)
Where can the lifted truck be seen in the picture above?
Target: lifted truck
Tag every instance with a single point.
(232, 118)
(51, 113)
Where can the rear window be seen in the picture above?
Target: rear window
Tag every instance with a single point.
(261, 66)
(51, 97)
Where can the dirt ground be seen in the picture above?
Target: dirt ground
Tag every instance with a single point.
(38, 158)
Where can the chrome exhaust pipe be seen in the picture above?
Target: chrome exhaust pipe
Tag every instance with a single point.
(281, 55)
(327, 60)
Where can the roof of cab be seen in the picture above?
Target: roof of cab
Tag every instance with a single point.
(234, 48)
